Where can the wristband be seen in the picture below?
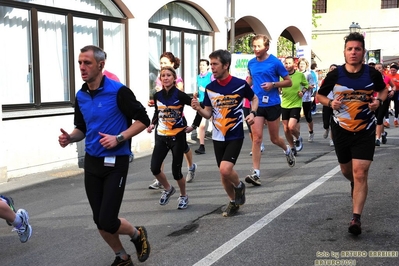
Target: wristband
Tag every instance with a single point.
(253, 112)
(329, 103)
(381, 101)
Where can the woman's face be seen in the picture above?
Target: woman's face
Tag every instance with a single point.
(165, 62)
(302, 66)
(167, 78)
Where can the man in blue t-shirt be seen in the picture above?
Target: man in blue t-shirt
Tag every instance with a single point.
(266, 75)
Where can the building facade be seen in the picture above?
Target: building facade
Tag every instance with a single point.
(40, 74)
(377, 21)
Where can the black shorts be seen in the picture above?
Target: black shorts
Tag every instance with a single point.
(269, 113)
(353, 145)
(287, 113)
(227, 150)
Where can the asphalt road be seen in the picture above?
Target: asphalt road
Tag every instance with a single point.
(299, 216)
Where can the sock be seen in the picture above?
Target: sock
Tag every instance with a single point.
(17, 222)
(239, 185)
(356, 216)
(135, 235)
(202, 146)
(121, 253)
(191, 167)
(387, 120)
(311, 132)
(288, 150)
(257, 172)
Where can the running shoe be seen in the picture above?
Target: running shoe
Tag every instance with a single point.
(386, 124)
(182, 202)
(231, 209)
(377, 142)
(396, 123)
(355, 227)
(290, 157)
(24, 230)
(262, 149)
(384, 137)
(166, 196)
(294, 151)
(120, 262)
(311, 137)
(156, 185)
(253, 179)
(298, 144)
(191, 173)
(10, 203)
(200, 150)
(142, 245)
(240, 194)
(325, 134)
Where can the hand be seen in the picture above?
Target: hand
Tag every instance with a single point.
(391, 93)
(64, 139)
(151, 103)
(374, 104)
(150, 128)
(250, 119)
(267, 86)
(300, 94)
(195, 103)
(188, 129)
(108, 141)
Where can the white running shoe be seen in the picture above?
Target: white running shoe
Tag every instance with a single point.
(156, 185)
(191, 174)
(24, 230)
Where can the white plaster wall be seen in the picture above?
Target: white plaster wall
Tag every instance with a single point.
(379, 25)
(31, 145)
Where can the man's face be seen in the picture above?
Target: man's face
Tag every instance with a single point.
(218, 69)
(89, 67)
(289, 64)
(353, 53)
(259, 49)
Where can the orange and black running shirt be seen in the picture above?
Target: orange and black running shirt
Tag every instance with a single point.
(354, 90)
(226, 99)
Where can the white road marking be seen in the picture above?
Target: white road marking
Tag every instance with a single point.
(265, 220)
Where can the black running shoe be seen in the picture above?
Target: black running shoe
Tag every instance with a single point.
(355, 227)
(384, 137)
(231, 209)
(120, 262)
(142, 245)
(240, 194)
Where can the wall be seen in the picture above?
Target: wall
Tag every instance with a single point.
(380, 27)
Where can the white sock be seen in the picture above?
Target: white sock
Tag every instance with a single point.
(257, 172)
(17, 222)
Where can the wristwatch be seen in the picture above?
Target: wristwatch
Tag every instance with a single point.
(381, 101)
(253, 112)
(120, 138)
(274, 84)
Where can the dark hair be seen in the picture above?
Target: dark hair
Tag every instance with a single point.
(355, 36)
(99, 53)
(173, 59)
(333, 65)
(313, 66)
(204, 60)
(224, 57)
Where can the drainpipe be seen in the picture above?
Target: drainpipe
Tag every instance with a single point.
(232, 25)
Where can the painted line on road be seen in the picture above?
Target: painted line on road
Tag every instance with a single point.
(265, 220)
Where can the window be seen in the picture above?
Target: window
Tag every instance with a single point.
(389, 4)
(40, 68)
(320, 6)
(179, 28)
